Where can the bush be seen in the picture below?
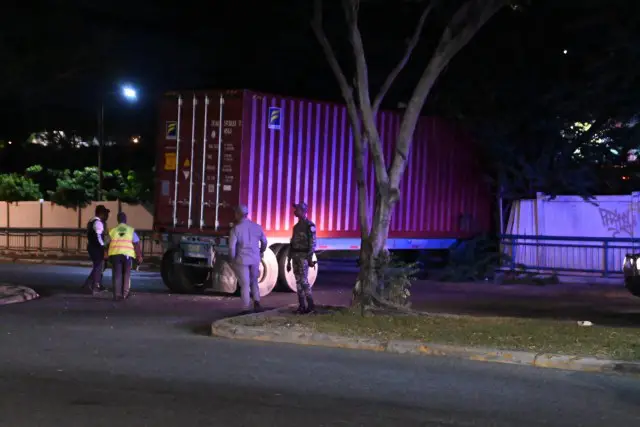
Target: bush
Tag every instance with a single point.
(474, 259)
(18, 188)
(396, 278)
(80, 187)
(75, 188)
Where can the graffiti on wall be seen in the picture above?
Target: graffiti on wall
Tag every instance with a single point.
(620, 223)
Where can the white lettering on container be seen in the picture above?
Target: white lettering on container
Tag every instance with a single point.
(227, 123)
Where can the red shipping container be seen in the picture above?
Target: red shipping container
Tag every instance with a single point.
(278, 150)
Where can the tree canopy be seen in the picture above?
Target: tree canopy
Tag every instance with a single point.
(16, 188)
(560, 121)
(73, 188)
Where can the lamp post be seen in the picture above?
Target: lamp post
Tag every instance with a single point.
(129, 94)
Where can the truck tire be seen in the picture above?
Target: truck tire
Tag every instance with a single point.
(632, 283)
(268, 277)
(182, 279)
(277, 248)
(226, 280)
(286, 279)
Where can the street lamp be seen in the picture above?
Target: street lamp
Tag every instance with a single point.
(130, 94)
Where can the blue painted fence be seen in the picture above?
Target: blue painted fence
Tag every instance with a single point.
(603, 256)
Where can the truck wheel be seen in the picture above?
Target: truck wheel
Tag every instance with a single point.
(226, 280)
(632, 283)
(286, 279)
(268, 273)
(277, 248)
(182, 279)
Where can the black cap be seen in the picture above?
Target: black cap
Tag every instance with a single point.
(301, 205)
(102, 209)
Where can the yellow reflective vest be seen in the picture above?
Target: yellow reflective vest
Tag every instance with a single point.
(121, 241)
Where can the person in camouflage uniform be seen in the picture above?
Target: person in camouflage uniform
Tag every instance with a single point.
(302, 249)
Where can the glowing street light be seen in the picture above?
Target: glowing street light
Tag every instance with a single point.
(129, 93)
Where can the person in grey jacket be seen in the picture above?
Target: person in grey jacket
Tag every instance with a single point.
(247, 244)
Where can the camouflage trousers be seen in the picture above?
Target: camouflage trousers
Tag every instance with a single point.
(300, 267)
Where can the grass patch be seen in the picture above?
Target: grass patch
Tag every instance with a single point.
(543, 336)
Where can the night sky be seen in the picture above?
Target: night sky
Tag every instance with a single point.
(61, 57)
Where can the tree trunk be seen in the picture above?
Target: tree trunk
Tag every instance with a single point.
(373, 252)
(466, 21)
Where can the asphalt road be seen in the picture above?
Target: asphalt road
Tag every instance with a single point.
(72, 360)
(603, 304)
(48, 279)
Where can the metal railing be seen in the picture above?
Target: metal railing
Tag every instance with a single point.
(603, 256)
(62, 241)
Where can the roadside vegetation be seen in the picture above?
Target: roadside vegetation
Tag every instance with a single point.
(533, 335)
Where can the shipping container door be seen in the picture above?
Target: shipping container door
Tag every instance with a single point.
(188, 189)
(166, 170)
(220, 158)
(188, 141)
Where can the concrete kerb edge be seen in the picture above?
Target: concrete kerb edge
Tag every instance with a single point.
(226, 328)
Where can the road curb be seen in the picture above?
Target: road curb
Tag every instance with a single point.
(61, 262)
(12, 294)
(226, 328)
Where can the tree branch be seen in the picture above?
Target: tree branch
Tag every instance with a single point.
(347, 93)
(465, 24)
(316, 25)
(413, 42)
(364, 98)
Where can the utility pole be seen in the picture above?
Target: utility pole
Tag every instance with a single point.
(100, 147)
(130, 94)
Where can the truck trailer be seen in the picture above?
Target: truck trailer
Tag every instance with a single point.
(220, 148)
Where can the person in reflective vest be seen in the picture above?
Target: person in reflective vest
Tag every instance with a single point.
(123, 246)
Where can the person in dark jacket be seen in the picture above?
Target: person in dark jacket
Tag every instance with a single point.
(95, 248)
(301, 251)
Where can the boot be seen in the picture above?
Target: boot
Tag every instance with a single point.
(96, 289)
(301, 307)
(257, 308)
(311, 307)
